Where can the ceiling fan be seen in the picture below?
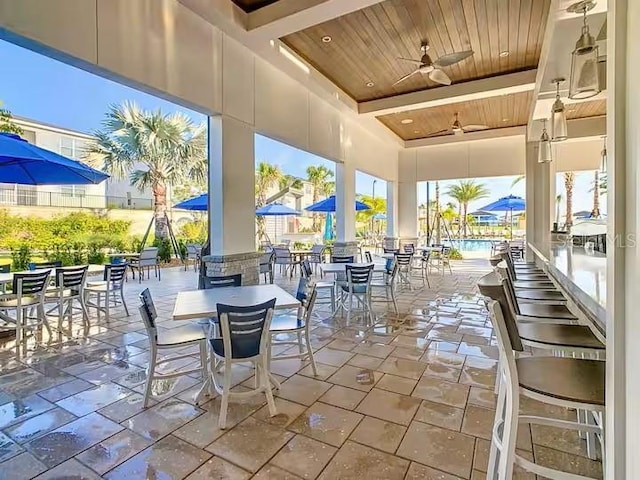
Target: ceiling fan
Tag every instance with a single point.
(458, 129)
(433, 68)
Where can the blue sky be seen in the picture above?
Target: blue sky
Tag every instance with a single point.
(39, 88)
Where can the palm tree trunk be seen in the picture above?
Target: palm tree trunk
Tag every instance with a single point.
(160, 209)
(438, 232)
(569, 179)
(464, 219)
(316, 222)
(595, 212)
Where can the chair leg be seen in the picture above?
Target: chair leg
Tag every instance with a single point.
(150, 374)
(224, 404)
(124, 304)
(85, 312)
(300, 347)
(310, 353)
(510, 430)
(261, 366)
(499, 418)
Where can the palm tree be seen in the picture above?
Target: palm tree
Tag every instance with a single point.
(558, 201)
(6, 122)
(464, 192)
(377, 205)
(319, 178)
(437, 214)
(266, 176)
(569, 181)
(153, 149)
(286, 181)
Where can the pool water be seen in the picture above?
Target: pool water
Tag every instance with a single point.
(471, 245)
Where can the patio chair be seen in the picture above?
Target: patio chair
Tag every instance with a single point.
(440, 260)
(68, 289)
(424, 267)
(193, 254)
(244, 338)
(286, 260)
(266, 265)
(317, 256)
(108, 289)
(298, 324)
(28, 295)
(390, 250)
(266, 246)
(223, 281)
(318, 286)
(174, 339)
(404, 261)
(568, 383)
(367, 256)
(148, 258)
(358, 287)
(388, 284)
(43, 265)
(341, 278)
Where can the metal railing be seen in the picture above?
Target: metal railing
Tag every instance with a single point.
(39, 198)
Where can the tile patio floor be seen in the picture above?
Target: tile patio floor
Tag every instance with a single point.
(72, 408)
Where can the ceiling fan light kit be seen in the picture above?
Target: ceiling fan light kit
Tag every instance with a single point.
(584, 81)
(544, 146)
(558, 116)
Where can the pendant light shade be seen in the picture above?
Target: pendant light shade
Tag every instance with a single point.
(558, 116)
(584, 81)
(544, 146)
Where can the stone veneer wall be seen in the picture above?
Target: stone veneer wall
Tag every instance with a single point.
(407, 240)
(390, 242)
(248, 264)
(346, 248)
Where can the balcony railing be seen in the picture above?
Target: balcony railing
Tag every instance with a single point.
(38, 198)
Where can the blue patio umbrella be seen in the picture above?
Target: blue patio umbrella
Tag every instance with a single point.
(26, 164)
(506, 204)
(328, 228)
(199, 203)
(276, 210)
(328, 205)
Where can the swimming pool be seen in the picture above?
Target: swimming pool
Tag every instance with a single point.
(471, 244)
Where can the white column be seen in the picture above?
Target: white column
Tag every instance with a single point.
(231, 187)
(408, 210)
(623, 259)
(540, 200)
(392, 209)
(345, 203)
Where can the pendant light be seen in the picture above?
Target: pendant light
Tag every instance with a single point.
(544, 146)
(558, 115)
(584, 81)
(603, 154)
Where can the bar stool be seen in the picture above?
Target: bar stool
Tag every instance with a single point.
(319, 286)
(565, 382)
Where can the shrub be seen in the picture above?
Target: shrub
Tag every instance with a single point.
(164, 249)
(21, 257)
(455, 254)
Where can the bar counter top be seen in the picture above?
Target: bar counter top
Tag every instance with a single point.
(584, 276)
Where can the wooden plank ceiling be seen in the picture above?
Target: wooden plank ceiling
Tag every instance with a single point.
(365, 44)
(594, 108)
(495, 112)
(252, 5)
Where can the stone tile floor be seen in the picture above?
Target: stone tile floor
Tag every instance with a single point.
(409, 397)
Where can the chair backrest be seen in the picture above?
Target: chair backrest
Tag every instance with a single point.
(71, 277)
(390, 250)
(403, 259)
(317, 249)
(286, 242)
(368, 257)
(303, 289)
(426, 254)
(306, 268)
(115, 272)
(391, 268)
(498, 315)
(492, 287)
(5, 268)
(342, 259)
(223, 281)
(193, 250)
(509, 289)
(409, 248)
(282, 253)
(245, 330)
(30, 283)
(266, 262)
(148, 314)
(359, 275)
(506, 257)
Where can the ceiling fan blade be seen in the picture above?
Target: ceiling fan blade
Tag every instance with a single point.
(451, 58)
(415, 62)
(475, 128)
(406, 76)
(439, 76)
(439, 132)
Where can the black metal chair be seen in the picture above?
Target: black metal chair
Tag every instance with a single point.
(266, 265)
(223, 281)
(358, 287)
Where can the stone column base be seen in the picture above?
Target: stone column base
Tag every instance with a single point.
(248, 264)
(345, 248)
(390, 242)
(406, 240)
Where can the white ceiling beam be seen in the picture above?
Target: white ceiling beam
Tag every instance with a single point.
(289, 16)
(459, 92)
(466, 137)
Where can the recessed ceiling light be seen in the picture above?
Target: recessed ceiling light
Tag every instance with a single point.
(505, 119)
(272, 43)
(326, 39)
(406, 121)
(416, 131)
(370, 84)
(504, 53)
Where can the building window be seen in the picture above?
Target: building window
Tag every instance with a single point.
(73, 191)
(71, 147)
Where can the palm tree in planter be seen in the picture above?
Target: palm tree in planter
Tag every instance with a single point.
(569, 182)
(320, 179)
(154, 150)
(465, 192)
(267, 176)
